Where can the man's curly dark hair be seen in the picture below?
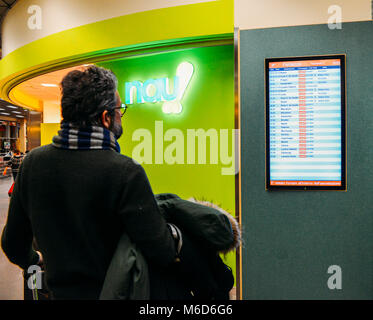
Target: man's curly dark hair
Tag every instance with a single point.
(86, 94)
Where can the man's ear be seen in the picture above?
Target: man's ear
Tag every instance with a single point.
(105, 119)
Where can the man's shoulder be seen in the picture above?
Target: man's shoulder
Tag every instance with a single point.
(122, 159)
(39, 151)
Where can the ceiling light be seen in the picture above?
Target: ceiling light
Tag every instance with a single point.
(4, 113)
(49, 85)
(17, 112)
(13, 107)
(20, 116)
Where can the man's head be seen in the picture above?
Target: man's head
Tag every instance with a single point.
(90, 97)
(111, 119)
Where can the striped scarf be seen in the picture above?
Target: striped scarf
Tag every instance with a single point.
(88, 138)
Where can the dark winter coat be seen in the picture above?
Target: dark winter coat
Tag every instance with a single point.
(200, 274)
(77, 204)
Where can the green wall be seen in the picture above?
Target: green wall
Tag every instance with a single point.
(293, 237)
(208, 102)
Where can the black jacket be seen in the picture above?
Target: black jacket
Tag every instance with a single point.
(77, 204)
(15, 162)
(200, 274)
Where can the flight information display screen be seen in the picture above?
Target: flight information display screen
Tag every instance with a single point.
(305, 123)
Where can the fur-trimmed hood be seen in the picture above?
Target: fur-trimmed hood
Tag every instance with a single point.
(235, 226)
(207, 222)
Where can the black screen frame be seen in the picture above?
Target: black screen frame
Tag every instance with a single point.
(343, 186)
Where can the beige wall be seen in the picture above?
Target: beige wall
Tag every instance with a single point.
(51, 112)
(60, 15)
(254, 14)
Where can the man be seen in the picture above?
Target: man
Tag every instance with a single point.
(78, 195)
(15, 162)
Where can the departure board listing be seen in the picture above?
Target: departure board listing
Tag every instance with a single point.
(305, 122)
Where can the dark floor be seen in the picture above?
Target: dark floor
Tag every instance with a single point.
(11, 280)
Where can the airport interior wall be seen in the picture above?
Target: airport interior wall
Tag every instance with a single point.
(292, 237)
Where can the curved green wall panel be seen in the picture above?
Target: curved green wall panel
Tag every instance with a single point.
(207, 104)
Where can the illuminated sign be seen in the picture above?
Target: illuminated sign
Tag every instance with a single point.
(158, 90)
